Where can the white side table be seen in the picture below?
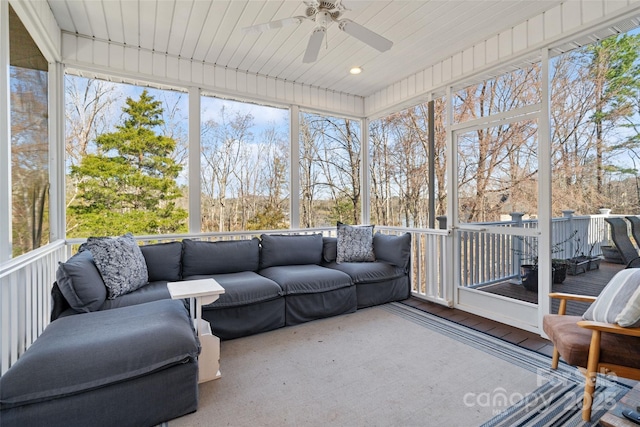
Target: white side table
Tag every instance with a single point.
(204, 291)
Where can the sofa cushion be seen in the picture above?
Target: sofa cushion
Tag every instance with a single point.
(329, 249)
(164, 261)
(393, 249)
(153, 291)
(280, 249)
(245, 287)
(92, 350)
(614, 297)
(120, 262)
(306, 279)
(355, 243)
(206, 258)
(368, 272)
(81, 283)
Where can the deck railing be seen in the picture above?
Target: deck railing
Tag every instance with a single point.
(487, 258)
(25, 282)
(25, 301)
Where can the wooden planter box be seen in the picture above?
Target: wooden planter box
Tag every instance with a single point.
(582, 264)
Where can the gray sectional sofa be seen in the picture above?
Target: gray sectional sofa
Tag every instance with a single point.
(74, 367)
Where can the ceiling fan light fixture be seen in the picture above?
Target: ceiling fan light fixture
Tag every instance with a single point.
(355, 70)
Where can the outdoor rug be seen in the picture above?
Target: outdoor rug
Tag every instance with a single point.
(391, 365)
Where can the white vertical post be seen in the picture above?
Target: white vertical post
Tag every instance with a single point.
(294, 167)
(544, 192)
(5, 137)
(195, 190)
(452, 253)
(365, 175)
(57, 152)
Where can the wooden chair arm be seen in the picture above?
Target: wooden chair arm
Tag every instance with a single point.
(572, 297)
(609, 327)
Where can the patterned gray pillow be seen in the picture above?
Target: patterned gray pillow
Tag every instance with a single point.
(120, 262)
(355, 243)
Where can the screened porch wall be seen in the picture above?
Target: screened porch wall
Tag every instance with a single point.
(519, 46)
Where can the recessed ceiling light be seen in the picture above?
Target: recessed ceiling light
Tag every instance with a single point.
(355, 70)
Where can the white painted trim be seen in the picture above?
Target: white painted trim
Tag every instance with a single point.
(365, 173)
(5, 137)
(195, 184)
(57, 154)
(544, 193)
(512, 312)
(294, 167)
(134, 63)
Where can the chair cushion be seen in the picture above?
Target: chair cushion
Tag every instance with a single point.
(164, 261)
(81, 283)
(243, 288)
(282, 249)
(573, 342)
(92, 350)
(306, 279)
(207, 258)
(614, 297)
(120, 262)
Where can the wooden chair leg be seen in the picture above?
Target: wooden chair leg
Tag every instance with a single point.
(591, 375)
(555, 359)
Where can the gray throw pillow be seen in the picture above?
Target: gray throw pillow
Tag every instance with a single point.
(355, 243)
(393, 249)
(614, 297)
(120, 262)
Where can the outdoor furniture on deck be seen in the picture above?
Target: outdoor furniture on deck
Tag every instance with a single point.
(596, 346)
(620, 237)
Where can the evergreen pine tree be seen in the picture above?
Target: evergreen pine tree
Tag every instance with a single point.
(129, 185)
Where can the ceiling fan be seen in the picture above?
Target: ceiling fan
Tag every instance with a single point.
(324, 13)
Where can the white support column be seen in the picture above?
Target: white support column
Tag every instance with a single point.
(195, 190)
(294, 167)
(452, 257)
(544, 192)
(365, 173)
(57, 177)
(5, 137)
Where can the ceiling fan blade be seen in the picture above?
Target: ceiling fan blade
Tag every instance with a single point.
(273, 25)
(365, 35)
(313, 47)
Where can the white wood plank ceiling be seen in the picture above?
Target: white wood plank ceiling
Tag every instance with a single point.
(423, 32)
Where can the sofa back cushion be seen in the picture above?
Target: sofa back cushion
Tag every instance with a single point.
(164, 261)
(281, 249)
(206, 258)
(395, 250)
(81, 283)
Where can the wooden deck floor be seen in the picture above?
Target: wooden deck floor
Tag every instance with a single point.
(589, 283)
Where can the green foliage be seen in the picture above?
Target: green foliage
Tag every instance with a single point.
(268, 218)
(130, 183)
